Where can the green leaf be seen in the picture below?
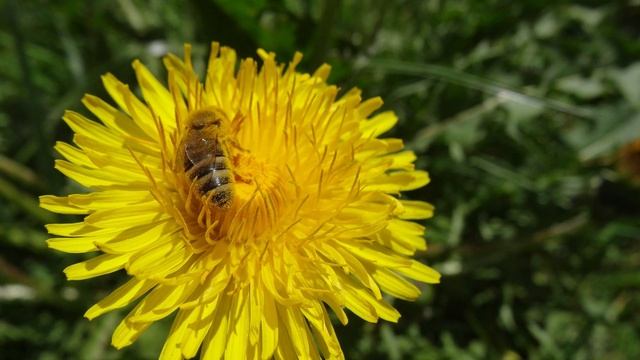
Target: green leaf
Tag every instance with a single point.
(622, 133)
(583, 88)
(628, 81)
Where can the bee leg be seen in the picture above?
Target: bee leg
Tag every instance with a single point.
(236, 124)
(237, 146)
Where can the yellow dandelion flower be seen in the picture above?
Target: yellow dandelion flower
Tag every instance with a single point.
(247, 204)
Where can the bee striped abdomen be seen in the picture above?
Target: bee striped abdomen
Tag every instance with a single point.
(207, 166)
(213, 179)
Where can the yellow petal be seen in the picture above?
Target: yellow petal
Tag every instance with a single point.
(113, 118)
(83, 126)
(395, 285)
(128, 157)
(215, 283)
(161, 301)
(172, 348)
(272, 283)
(402, 160)
(375, 148)
(256, 304)
(126, 333)
(413, 210)
(377, 166)
(238, 341)
(322, 72)
(135, 238)
(178, 72)
(332, 254)
(65, 229)
(359, 300)
(127, 216)
(369, 106)
(397, 181)
(95, 177)
(269, 327)
(73, 154)
(375, 254)
(156, 95)
(109, 199)
(187, 331)
(361, 273)
(421, 272)
(60, 205)
(285, 349)
(323, 330)
(385, 238)
(128, 102)
(159, 261)
(215, 342)
(364, 212)
(76, 230)
(72, 245)
(354, 301)
(99, 265)
(405, 232)
(384, 310)
(121, 297)
(297, 329)
(379, 124)
(336, 303)
(198, 329)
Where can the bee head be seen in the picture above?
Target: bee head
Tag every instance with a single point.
(206, 119)
(201, 124)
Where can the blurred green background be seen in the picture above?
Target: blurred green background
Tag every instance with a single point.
(518, 109)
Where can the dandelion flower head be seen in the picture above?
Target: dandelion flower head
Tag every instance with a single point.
(316, 223)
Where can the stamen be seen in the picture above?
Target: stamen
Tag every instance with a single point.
(253, 84)
(210, 233)
(190, 198)
(333, 161)
(296, 213)
(319, 193)
(203, 213)
(325, 124)
(356, 180)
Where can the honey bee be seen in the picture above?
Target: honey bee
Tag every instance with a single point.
(205, 158)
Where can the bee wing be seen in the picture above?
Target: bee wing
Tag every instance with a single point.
(202, 149)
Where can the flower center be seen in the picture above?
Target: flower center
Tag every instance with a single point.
(258, 200)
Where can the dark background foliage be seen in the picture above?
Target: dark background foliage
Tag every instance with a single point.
(517, 108)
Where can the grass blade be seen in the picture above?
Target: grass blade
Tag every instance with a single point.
(461, 78)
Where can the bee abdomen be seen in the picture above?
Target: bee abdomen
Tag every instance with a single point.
(215, 184)
(207, 166)
(215, 179)
(221, 196)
